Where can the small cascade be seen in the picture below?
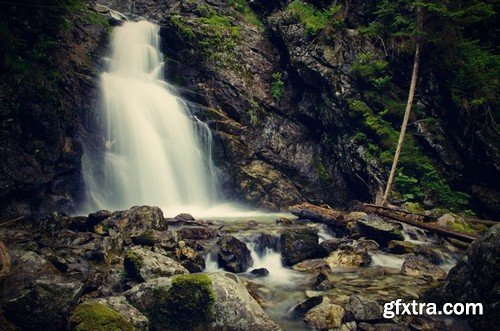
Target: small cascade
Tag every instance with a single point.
(271, 260)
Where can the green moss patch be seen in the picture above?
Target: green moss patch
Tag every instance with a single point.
(186, 305)
(132, 265)
(314, 19)
(97, 317)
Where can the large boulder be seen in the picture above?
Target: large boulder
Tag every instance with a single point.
(136, 220)
(475, 278)
(325, 316)
(233, 256)
(142, 264)
(211, 301)
(298, 245)
(420, 267)
(374, 227)
(38, 296)
(120, 305)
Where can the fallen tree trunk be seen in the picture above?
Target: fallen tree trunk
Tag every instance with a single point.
(319, 214)
(423, 225)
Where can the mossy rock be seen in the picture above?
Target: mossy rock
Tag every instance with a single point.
(186, 305)
(132, 265)
(97, 317)
(414, 208)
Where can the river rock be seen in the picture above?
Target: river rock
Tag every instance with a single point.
(189, 258)
(366, 245)
(261, 272)
(363, 309)
(420, 267)
(475, 278)
(38, 297)
(298, 245)
(302, 308)
(401, 247)
(196, 232)
(142, 264)
(233, 256)
(124, 309)
(263, 241)
(325, 316)
(379, 230)
(184, 217)
(348, 259)
(211, 301)
(314, 266)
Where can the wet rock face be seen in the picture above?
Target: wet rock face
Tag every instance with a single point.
(124, 309)
(379, 230)
(298, 245)
(475, 278)
(233, 254)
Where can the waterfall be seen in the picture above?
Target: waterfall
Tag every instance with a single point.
(156, 151)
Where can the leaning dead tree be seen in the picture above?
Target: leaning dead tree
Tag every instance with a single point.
(409, 104)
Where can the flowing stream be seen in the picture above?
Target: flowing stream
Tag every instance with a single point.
(156, 151)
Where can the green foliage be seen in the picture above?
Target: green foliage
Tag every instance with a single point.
(186, 305)
(97, 317)
(215, 34)
(318, 164)
(253, 111)
(476, 81)
(371, 70)
(313, 19)
(247, 12)
(277, 86)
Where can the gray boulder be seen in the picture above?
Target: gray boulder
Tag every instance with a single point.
(299, 245)
(374, 227)
(124, 309)
(363, 309)
(142, 264)
(211, 301)
(233, 256)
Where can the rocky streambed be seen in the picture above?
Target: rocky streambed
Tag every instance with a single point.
(136, 269)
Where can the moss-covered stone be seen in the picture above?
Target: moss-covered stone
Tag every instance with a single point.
(144, 239)
(97, 317)
(132, 265)
(186, 305)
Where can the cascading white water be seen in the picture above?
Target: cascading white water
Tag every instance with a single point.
(156, 152)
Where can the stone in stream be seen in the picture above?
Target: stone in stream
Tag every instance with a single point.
(475, 278)
(119, 305)
(263, 241)
(348, 259)
(302, 308)
(206, 301)
(379, 230)
(325, 316)
(401, 247)
(233, 255)
(260, 272)
(420, 267)
(363, 309)
(322, 282)
(329, 245)
(184, 217)
(314, 265)
(298, 244)
(189, 258)
(196, 232)
(142, 265)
